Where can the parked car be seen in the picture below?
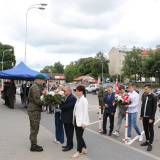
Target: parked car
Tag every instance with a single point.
(92, 88)
(157, 92)
(105, 85)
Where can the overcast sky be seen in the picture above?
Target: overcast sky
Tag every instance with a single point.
(70, 29)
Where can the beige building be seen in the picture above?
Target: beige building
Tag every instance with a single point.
(116, 58)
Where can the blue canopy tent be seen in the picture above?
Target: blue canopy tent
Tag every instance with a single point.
(20, 72)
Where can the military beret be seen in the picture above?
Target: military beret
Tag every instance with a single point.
(40, 76)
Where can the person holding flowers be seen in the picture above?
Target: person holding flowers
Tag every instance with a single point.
(53, 99)
(121, 101)
(59, 130)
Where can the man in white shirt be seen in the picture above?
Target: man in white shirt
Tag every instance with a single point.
(133, 111)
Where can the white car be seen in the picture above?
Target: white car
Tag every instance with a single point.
(92, 88)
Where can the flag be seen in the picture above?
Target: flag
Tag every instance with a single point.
(116, 87)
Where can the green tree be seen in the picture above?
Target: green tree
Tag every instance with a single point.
(133, 63)
(7, 56)
(71, 71)
(48, 69)
(101, 63)
(59, 67)
(151, 64)
(85, 65)
(147, 63)
(93, 65)
(90, 65)
(156, 66)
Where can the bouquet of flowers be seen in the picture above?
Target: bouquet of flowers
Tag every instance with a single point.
(53, 98)
(122, 99)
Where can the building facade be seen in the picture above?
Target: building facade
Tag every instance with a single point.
(116, 58)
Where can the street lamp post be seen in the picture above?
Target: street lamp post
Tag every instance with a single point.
(40, 6)
(102, 71)
(3, 53)
(102, 60)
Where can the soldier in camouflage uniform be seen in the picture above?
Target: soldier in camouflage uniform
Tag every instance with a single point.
(34, 111)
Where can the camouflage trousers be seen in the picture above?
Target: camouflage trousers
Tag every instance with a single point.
(34, 117)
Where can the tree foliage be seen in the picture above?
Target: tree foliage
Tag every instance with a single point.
(57, 67)
(136, 64)
(133, 63)
(7, 56)
(71, 71)
(90, 65)
(151, 64)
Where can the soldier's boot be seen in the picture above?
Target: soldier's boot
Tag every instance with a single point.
(36, 148)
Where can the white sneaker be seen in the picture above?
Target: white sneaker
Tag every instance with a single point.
(140, 138)
(116, 133)
(127, 140)
(84, 151)
(75, 155)
(57, 142)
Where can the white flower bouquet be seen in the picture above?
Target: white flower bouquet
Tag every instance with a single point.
(53, 98)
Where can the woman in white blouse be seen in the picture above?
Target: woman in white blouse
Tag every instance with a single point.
(81, 119)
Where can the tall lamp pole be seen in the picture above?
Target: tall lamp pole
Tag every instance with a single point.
(102, 71)
(3, 54)
(40, 6)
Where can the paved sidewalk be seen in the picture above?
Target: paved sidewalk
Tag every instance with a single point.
(14, 138)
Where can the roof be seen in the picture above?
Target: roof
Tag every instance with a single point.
(59, 77)
(84, 78)
(20, 71)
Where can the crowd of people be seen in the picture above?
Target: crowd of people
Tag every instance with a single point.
(147, 112)
(72, 114)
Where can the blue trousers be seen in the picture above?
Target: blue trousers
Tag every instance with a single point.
(132, 123)
(59, 131)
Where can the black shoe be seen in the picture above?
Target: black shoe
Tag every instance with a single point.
(110, 133)
(159, 126)
(67, 149)
(144, 144)
(149, 148)
(64, 146)
(36, 148)
(103, 132)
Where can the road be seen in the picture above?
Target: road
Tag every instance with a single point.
(104, 147)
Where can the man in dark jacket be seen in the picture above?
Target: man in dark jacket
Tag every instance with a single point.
(109, 110)
(67, 117)
(148, 110)
(11, 94)
(5, 92)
